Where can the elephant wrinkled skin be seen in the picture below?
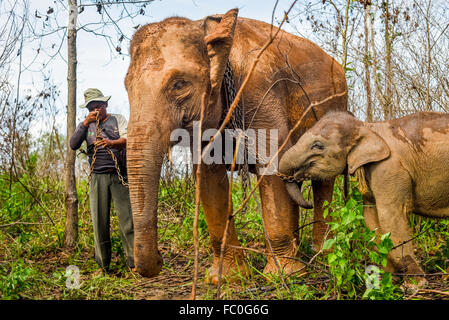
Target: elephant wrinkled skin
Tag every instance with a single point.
(174, 63)
(405, 165)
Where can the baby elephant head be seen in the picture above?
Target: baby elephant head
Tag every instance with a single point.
(323, 152)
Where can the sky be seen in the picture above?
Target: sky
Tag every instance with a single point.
(97, 67)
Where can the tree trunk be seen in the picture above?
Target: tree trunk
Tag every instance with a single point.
(388, 110)
(428, 58)
(345, 36)
(366, 62)
(71, 198)
(377, 89)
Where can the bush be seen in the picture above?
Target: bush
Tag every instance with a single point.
(16, 281)
(356, 260)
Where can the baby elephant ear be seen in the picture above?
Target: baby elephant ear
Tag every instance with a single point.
(369, 147)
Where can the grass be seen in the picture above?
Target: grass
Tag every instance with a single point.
(33, 265)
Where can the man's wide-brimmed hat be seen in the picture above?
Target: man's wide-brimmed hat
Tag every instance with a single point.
(93, 94)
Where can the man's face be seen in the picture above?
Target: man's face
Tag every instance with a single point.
(99, 106)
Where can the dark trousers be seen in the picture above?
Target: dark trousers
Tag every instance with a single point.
(103, 188)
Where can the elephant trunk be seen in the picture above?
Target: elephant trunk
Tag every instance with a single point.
(145, 154)
(287, 165)
(295, 192)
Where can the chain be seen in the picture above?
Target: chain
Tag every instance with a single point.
(120, 177)
(237, 119)
(252, 152)
(286, 178)
(237, 122)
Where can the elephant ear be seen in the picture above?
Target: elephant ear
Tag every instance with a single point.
(219, 35)
(369, 147)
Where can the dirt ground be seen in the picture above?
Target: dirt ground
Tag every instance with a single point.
(176, 278)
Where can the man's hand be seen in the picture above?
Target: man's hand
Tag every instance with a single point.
(105, 143)
(91, 117)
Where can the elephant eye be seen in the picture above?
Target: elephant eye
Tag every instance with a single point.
(179, 84)
(178, 92)
(317, 145)
(185, 121)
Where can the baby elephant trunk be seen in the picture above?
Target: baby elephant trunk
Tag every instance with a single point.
(295, 191)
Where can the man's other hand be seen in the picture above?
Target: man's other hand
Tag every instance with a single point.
(91, 117)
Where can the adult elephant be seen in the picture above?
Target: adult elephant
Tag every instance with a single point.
(173, 64)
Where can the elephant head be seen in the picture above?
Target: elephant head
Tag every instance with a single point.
(174, 64)
(336, 141)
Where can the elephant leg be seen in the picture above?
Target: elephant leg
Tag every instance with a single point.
(280, 215)
(322, 191)
(214, 197)
(371, 219)
(392, 193)
(372, 222)
(402, 259)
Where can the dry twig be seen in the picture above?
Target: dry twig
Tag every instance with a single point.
(444, 293)
(197, 199)
(228, 220)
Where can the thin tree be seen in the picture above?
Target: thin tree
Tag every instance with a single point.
(71, 197)
(367, 59)
(388, 112)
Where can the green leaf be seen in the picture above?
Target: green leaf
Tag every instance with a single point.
(334, 226)
(326, 212)
(328, 244)
(331, 257)
(374, 257)
(383, 250)
(384, 262)
(348, 218)
(385, 236)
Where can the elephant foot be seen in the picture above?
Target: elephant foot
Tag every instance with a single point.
(149, 266)
(320, 235)
(233, 269)
(281, 256)
(287, 266)
(413, 283)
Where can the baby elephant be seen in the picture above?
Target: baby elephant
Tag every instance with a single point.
(403, 165)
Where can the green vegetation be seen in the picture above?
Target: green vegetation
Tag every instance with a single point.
(33, 264)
